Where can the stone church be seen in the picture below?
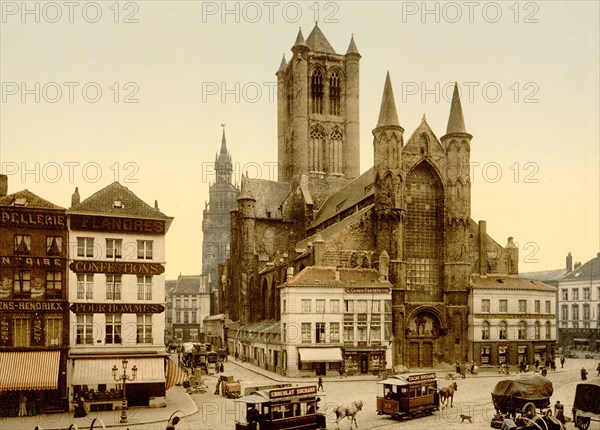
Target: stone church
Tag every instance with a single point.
(407, 217)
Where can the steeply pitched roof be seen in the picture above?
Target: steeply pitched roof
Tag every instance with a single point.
(317, 41)
(348, 196)
(544, 275)
(456, 121)
(103, 202)
(326, 276)
(27, 199)
(191, 285)
(388, 116)
(269, 195)
(587, 271)
(508, 282)
(413, 144)
(352, 49)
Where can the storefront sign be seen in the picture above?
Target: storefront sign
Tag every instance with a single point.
(291, 392)
(29, 218)
(37, 330)
(366, 290)
(80, 266)
(4, 331)
(117, 308)
(19, 306)
(420, 377)
(48, 263)
(117, 224)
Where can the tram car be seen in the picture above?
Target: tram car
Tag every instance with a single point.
(408, 395)
(282, 408)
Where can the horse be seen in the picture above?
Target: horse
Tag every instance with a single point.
(447, 393)
(348, 411)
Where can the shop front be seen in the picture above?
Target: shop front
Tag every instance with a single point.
(29, 383)
(322, 361)
(362, 361)
(92, 379)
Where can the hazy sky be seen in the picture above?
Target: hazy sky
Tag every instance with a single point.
(94, 92)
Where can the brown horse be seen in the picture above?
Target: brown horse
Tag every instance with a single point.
(447, 393)
(348, 411)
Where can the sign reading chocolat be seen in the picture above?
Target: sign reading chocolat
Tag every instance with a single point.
(117, 225)
(80, 266)
(117, 308)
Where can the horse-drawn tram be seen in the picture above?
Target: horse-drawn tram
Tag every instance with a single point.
(408, 395)
(282, 408)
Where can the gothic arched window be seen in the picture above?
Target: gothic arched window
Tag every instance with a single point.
(335, 152)
(334, 94)
(316, 91)
(315, 147)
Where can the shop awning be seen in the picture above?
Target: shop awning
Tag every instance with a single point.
(175, 375)
(91, 371)
(35, 370)
(320, 354)
(582, 340)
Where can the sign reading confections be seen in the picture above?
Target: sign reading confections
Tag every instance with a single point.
(117, 308)
(31, 218)
(117, 224)
(82, 266)
(366, 290)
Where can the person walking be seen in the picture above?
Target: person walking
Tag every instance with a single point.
(583, 374)
(320, 384)
(559, 411)
(463, 370)
(221, 367)
(562, 362)
(22, 405)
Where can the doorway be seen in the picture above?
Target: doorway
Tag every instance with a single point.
(364, 363)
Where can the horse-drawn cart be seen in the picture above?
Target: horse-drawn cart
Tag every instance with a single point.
(586, 406)
(408, 395)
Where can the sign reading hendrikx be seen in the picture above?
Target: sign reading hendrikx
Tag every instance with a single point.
(117, 308)
(117, 224)
(81, 266)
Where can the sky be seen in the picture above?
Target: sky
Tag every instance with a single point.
(94, 92)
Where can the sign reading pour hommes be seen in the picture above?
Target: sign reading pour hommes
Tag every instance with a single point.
(291, 392)
(117, 308)
(81, 266)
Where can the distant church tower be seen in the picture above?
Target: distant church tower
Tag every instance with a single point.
(317, 110)
(216, 222)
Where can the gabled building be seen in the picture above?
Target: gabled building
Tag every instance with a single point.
(117, 295)
(34, 317)
(191, 304)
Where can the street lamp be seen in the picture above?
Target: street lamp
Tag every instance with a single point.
(124, 377)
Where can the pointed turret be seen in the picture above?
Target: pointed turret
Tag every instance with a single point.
(282, 66)
(352, 50)
(299, 45)
(388, 116)
(456, 121)
(318, 42)
(223, 143)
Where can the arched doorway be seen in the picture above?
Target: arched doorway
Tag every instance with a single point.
(425, 329)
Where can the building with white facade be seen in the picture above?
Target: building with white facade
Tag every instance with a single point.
(117, 295)
(579, 307)
(334, 318)
(191, 304)
(512, 320)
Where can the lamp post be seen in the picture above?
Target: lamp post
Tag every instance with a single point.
(124, 377)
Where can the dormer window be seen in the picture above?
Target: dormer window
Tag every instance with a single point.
(20, 202)
(118, 204)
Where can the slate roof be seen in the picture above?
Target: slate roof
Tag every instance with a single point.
(508, 282)
(317, 41)
(348, 196)
(269, 195)
(456, 121)
(191, 285)
(544, 275)
(170, 285)
(334, 229)
(31, 200)
(325, 276)
(103, 202)
(587, 271)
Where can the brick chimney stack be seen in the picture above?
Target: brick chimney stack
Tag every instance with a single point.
(569, 263)
(3, 185)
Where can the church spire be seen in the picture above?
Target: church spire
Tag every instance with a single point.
(456, 121)
(283, 65)
(299, 44)
(223, 141)
(352, 49)
(388, 116)
(223, 165)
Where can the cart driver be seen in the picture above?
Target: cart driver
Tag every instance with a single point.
(253, 415)
(389, 394)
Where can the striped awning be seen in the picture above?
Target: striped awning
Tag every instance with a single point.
(320, 354)
(175, 375)
(31, 370)
(92, 371)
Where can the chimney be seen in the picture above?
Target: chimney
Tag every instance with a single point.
(482, 248)
(569, 263)
(3, 185)
(156, 205)
(318, 248)
(75, 199)
(337, 275)
(289, 274)
(513, 257)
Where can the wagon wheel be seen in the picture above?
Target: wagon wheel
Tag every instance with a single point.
(582, 423)
(529, 406)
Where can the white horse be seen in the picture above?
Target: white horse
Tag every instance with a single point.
(348, 411)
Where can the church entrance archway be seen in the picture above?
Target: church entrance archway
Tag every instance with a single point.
(424, 333)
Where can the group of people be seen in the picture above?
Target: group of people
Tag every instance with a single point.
(27, 405)
(462, 368)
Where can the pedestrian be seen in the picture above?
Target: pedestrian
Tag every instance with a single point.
(598, 369)
(221, 367)
(320, 385)
(226, 354)
(537, 364)
(172, 423)
(236, 355)
(79, 407)
(559, 411)
(553, 364)
(218, 367)
(544, 371)
(463, 370)
(22, 405)
(562, 362)
(583, 374)
(522, 367)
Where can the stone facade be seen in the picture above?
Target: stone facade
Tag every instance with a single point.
(413, 206)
